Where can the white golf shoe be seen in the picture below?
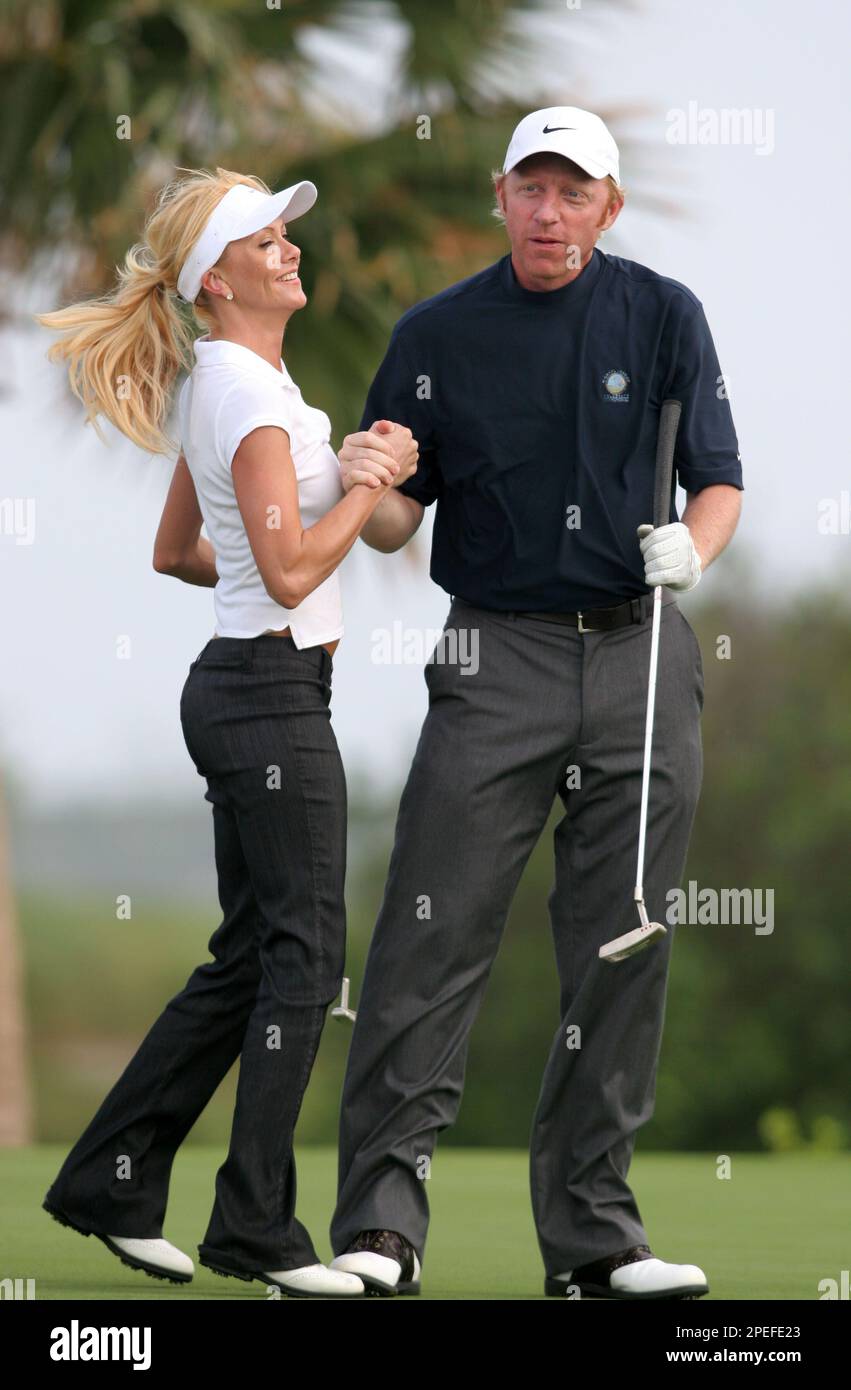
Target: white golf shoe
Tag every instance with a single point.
(634, 1273)
(159, 1257)
(307, 1281)
(384, 1260)
(316, 1281)
(156, 1257)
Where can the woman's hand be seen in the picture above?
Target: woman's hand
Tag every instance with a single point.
(386, 456)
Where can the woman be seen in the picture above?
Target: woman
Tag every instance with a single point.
(257, 467)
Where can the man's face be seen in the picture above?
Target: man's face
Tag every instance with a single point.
(554, 212)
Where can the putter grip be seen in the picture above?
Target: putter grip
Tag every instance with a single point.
(669, 419)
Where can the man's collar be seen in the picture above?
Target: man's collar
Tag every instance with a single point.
(574, 292)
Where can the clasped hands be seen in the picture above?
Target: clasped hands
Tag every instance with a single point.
(383, 456)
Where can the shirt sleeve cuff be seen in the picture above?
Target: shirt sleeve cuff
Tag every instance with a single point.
(695, 479)
(246, 428)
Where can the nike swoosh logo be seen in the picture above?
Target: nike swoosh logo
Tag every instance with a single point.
(548, 129)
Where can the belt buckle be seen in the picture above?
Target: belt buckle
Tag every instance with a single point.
(581, 626)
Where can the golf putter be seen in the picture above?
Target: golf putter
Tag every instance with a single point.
(342, 1010)
(648, 932)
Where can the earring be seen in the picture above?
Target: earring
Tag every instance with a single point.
(229, 294)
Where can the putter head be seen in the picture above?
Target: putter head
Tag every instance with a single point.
(342, 1010)
(631, 941)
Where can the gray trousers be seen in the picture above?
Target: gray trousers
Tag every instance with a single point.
(492, 756)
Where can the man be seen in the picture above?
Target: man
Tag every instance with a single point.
(534, 390)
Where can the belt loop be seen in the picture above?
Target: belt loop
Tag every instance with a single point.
(636, 606)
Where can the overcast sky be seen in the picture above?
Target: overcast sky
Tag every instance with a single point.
(754, 245)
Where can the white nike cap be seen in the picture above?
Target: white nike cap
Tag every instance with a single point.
(567, 130)
(240, 212)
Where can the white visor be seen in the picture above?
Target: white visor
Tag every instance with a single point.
(241, 211)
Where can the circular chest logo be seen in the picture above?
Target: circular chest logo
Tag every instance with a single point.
(616, 385)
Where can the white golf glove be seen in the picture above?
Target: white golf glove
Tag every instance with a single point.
(669, 556)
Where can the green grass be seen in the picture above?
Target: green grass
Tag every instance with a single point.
(772, 1231)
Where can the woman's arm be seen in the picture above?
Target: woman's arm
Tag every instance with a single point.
(198, 566)
(293, 561)
(180, 549)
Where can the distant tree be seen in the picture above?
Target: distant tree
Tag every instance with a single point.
(101, 100)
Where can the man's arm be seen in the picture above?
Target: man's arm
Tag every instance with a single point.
(707, 459)
(393, 522)
(394, 398)
(712, 516)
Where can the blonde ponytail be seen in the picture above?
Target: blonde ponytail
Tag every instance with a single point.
(125, 349)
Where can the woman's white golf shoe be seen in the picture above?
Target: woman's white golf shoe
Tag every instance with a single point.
(159, 1258)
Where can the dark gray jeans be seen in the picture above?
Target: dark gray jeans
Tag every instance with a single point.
(255, 716)
(489, 764)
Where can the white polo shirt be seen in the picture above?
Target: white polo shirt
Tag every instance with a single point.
(230, 392)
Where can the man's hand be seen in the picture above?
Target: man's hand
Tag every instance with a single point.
(387, 454)
(670, 556)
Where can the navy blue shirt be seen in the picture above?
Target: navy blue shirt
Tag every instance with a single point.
(537, 415)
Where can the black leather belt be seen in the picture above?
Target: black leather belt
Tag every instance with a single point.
(634, 610)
